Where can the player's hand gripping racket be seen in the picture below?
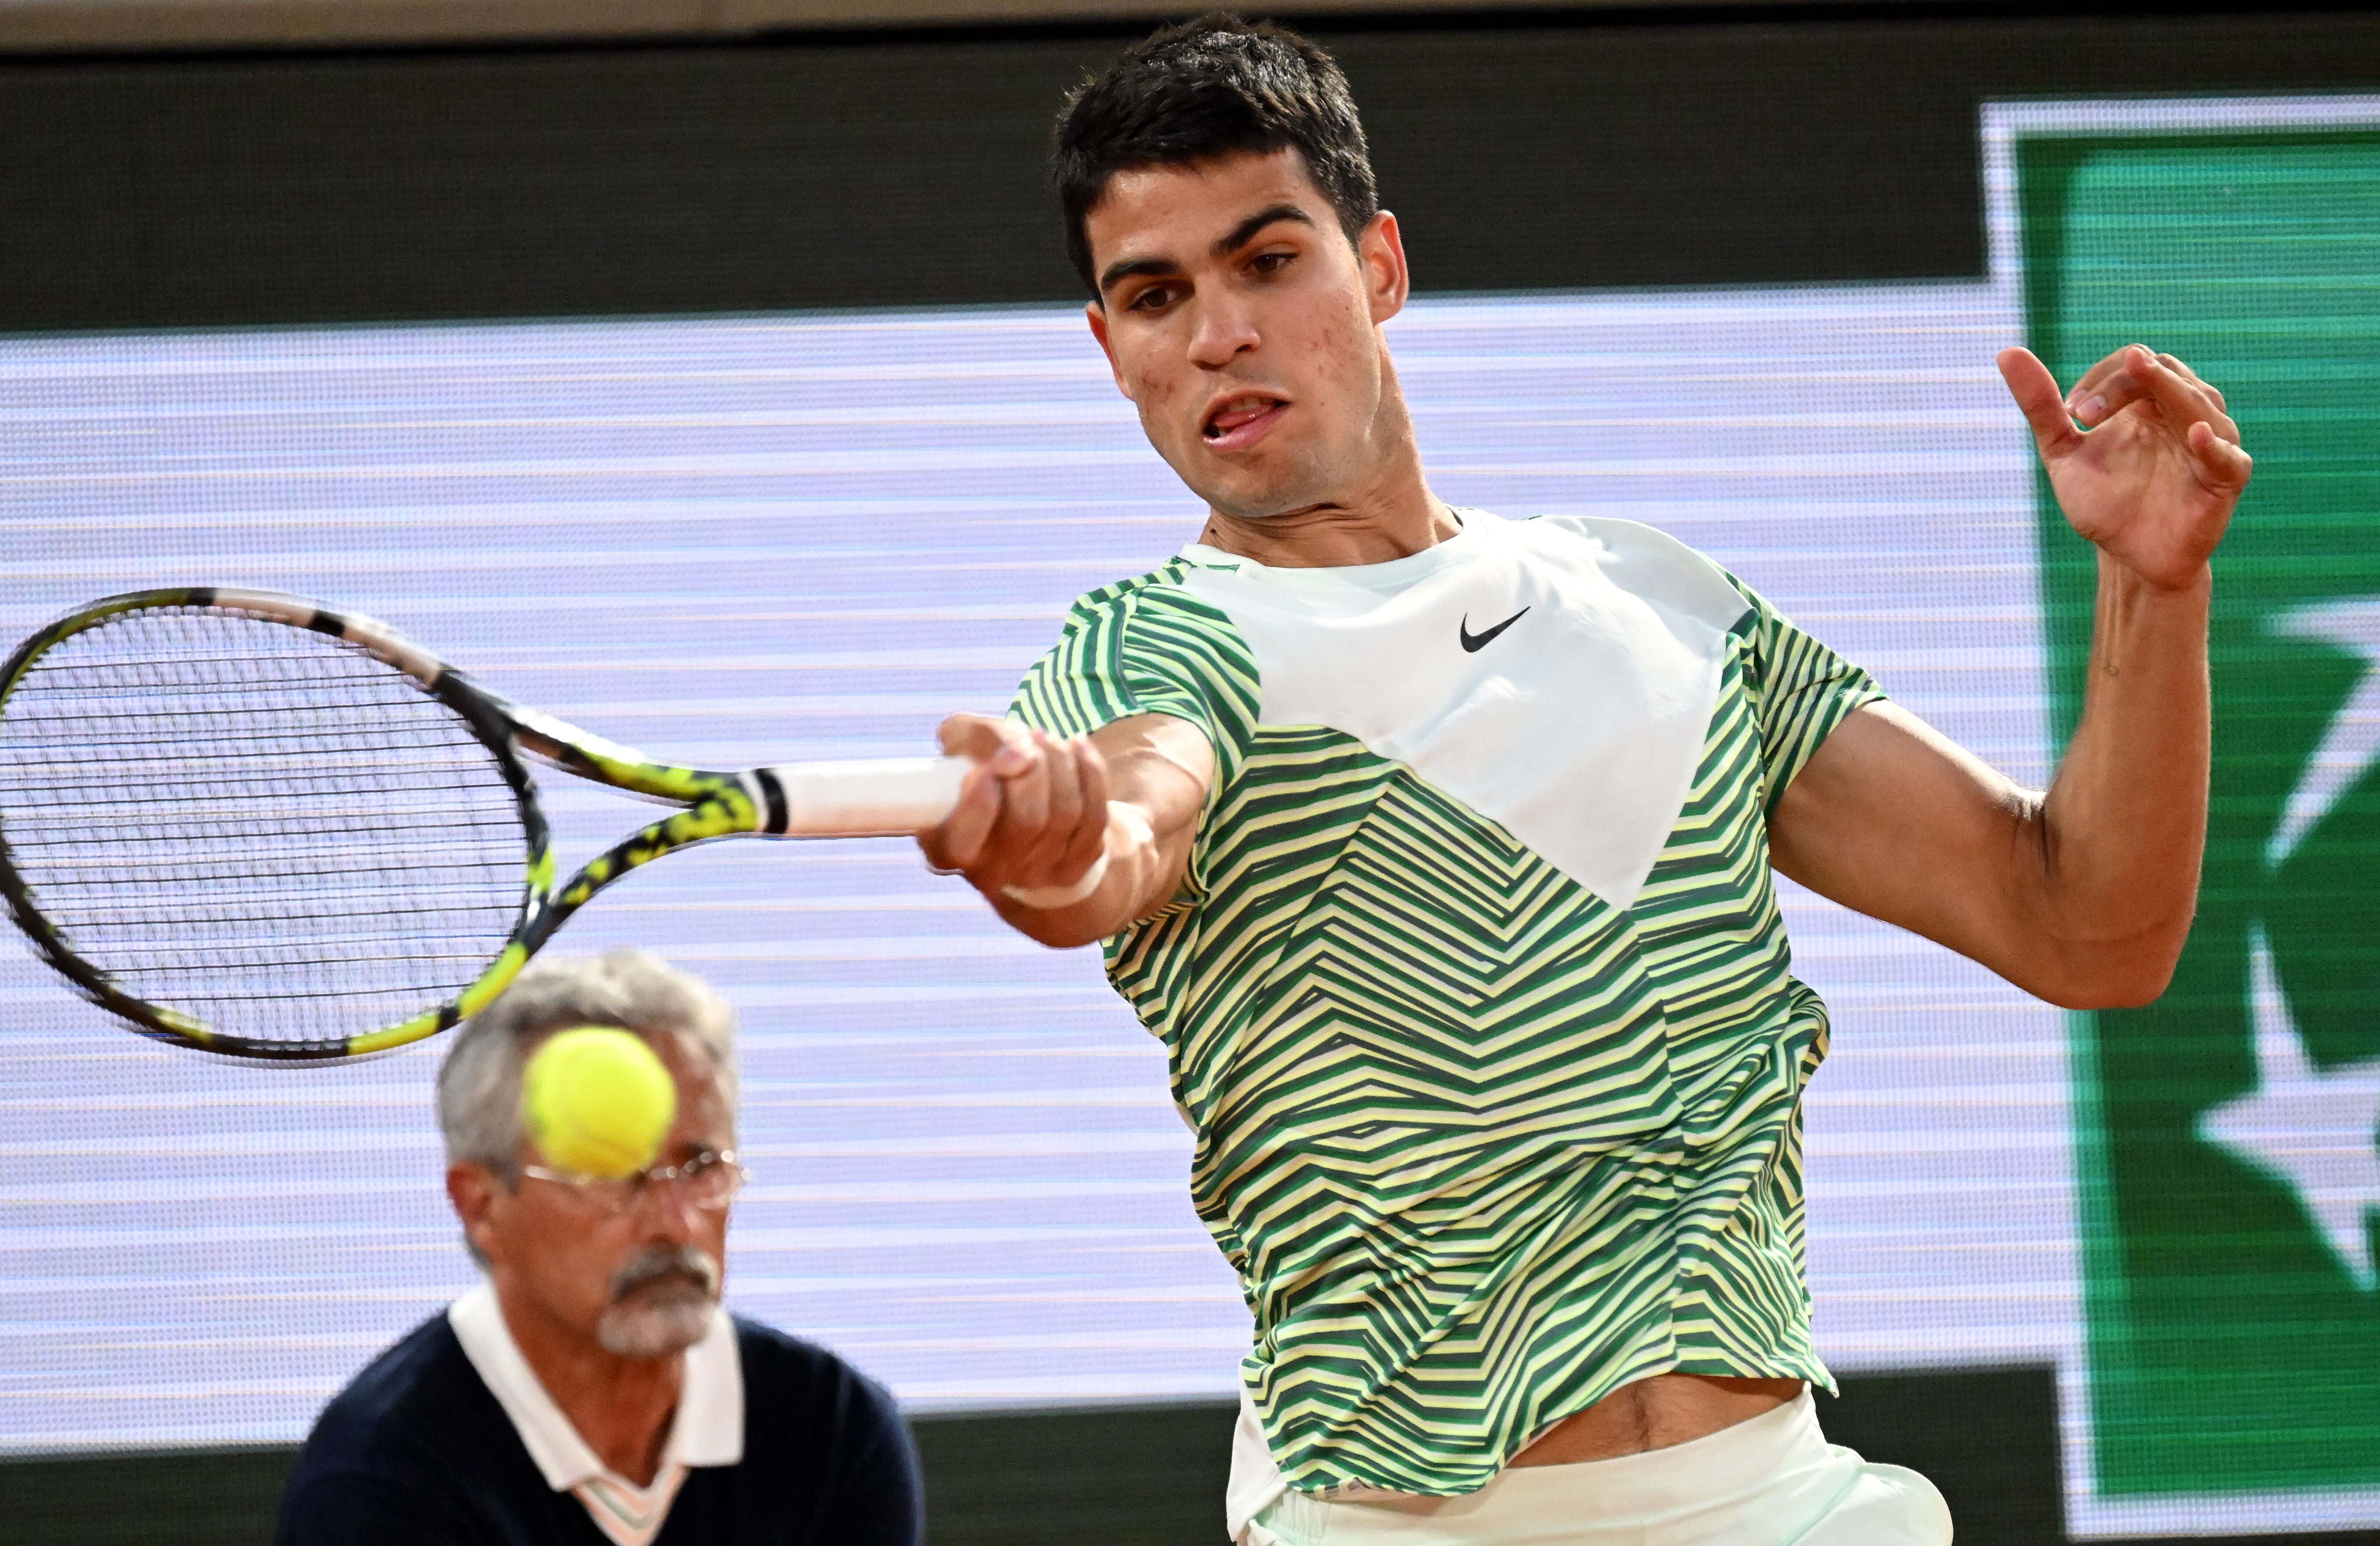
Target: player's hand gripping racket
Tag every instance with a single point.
(248, 824)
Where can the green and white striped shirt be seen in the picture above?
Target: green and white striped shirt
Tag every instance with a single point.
(1476, 994)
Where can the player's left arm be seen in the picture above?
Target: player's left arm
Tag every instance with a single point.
(2084, 895)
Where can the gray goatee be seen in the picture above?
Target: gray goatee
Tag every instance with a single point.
(662, 1302)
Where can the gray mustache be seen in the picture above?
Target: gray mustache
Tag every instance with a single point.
(657, 1264)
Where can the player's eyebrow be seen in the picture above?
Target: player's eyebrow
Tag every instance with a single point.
(1245, 231)
(1118, 273)
(1230, 242)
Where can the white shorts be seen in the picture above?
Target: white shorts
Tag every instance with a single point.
(1771, 1481)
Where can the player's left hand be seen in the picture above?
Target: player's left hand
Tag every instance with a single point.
(2154, 481)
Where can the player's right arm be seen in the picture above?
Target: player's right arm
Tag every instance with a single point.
(1039, 812)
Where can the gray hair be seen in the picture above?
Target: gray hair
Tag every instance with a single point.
(480, 1084)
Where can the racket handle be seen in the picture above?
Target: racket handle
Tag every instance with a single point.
(895, 796)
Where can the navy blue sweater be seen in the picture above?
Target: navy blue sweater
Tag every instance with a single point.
(418, 1451)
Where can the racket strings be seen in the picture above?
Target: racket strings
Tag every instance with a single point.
(257, 826)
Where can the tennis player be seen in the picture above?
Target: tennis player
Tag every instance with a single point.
(591, 1389)
(1435, 846)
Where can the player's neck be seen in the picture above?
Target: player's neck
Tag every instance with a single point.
(1385, 511)
(621, 1407)
(1394, 518)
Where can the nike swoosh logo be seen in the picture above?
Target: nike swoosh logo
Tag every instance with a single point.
(1474, 643)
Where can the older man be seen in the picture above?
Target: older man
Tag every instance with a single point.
(591, 1389)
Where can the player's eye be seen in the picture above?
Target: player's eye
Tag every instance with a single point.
(1157, 297)
(1267, 264)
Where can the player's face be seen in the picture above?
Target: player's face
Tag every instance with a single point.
(641, 1282)
(1246, 330)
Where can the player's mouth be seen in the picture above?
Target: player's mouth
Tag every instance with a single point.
(1237, 422)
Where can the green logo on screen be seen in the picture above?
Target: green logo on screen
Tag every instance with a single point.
(2228, 1165)
(2314, 1130)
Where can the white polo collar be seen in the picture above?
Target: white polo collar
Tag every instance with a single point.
(708, 1431)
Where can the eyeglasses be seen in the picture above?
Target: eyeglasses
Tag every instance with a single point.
(711, 1179)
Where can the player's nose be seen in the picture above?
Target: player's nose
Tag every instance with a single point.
(1221, 332)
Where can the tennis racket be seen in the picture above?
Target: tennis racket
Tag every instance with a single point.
(250, 825)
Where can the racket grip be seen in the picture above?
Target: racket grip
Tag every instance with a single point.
(895, 796)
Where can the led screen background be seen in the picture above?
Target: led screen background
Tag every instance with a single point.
(766, 538)
(734, 541)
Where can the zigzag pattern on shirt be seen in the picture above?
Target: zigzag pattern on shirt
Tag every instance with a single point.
(1481, 1148)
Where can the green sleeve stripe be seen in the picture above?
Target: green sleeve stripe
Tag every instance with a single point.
(1147, 646)
(1802, 688)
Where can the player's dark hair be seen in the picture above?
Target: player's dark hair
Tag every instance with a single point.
(1215, 87)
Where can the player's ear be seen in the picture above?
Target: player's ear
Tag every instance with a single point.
(1096, 313)
(473, 1191)
(1381, 252)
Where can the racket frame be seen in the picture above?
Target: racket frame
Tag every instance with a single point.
(714, 804)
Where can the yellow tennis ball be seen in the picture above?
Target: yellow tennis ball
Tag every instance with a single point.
(598, 1101)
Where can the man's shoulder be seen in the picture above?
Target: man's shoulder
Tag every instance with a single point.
(1156, 627)
(416, 1422)
(421, 1392)
(1628, 539)
(823, 1443)
(1649, 563)
(1168, 589)
(812, 1418)
(795, 1380)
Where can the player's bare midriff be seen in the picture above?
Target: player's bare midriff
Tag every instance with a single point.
(1655, 1413)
